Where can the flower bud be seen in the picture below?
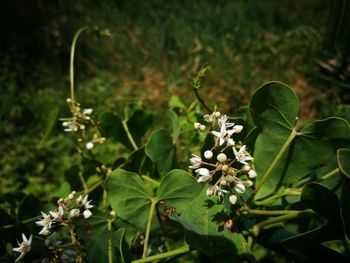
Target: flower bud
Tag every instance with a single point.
(238, 128)
(89, 145)
(240, 188)
(252, 174)
(233, 199)
(211, 119)
(223, 182)
(225, 168)
(208, 154)
(87, 111)
(112, 213)
(246, 168)
(217, 114)
(74, 212)
(202, 127)
(210, 192)
(197, 125)
(87, 213)
(248, 183)
(68, 100)
(221, 157)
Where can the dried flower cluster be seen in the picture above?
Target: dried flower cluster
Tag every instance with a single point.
(227, 164)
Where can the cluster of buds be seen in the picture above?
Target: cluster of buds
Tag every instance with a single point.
(227, 164)
(68, 208)
(80, 122)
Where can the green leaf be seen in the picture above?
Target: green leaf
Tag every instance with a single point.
(161, 150)
(287, 156)
(343, 157)
(178, 188)
(129, 197)
(203, 221)
(49, 124)
(173, 124)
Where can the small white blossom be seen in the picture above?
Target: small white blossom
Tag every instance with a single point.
(204, 175)
(84, 202)
(24, 247)
(252, 174)
(197, 125)
(46, 223)
(220, 192)
(237, 128)
(57, 215)
(89, 145)
(221, 157)
(240, 155)
(87, 111)
(196, 162)
(233, 199)
(240, 188)
(223, 135)
(87, 214)
(208, 154)
(223, 121)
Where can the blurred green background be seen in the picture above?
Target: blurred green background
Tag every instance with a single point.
(154, 50)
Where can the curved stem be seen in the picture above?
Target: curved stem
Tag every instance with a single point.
(274, 162)
(271, 212)
(110, 246)
(71, 65)
(330, 174)
(131, 139)
(201, 100)
(181, 250)
(272, 199)
(82, 180)
(25, 221)
(148, 228)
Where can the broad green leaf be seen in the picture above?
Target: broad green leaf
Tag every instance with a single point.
(173, 124)
(49, 124)
(178, 188)
(176, 102)
(161, 150)
(285, 155)
(343, 156)
(129, 197)
(274, 109)
(203, 221)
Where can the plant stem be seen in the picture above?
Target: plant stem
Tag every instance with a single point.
(274, 162)
(82, 180)
(71, 65)
(131, 139)
(151, 180)
(181, 250)
(201, 100)
(282, 218)
(270, 200)
(110, 247)
(272, 212)
(330, 174)
(21, 222)
(148, 227)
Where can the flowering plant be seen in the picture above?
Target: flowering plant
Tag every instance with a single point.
(257, 183)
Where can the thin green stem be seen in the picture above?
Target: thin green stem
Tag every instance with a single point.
(82, 180)
(25, 221)
(274, 162)
(272, 199)
(181, 250)
(250, 242)
(131, 139)
(151, 180)
(148, 227)
(293, 214)
(330, 174)
(271, 212)
(71, 65)
(110, 245)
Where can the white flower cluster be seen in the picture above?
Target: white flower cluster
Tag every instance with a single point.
(230, 170)
(68, 208)
(80, 121)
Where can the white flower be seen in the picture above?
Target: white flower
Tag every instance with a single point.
(46, 223)
(224, 134)
(89, 145)
(219, 192)
(233, 199)
(84, 202)
(221, 157)
(240, 188)
(223, 120)
(204, 174)
(197, 125)
(57, 215)
(208, 154)
(240, 155)
(252, 174)
(196, 162)
(24, 247)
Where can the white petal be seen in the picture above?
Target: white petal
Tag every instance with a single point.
(24, 238)
(17, 249)
(87, 214)
(216, 134)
